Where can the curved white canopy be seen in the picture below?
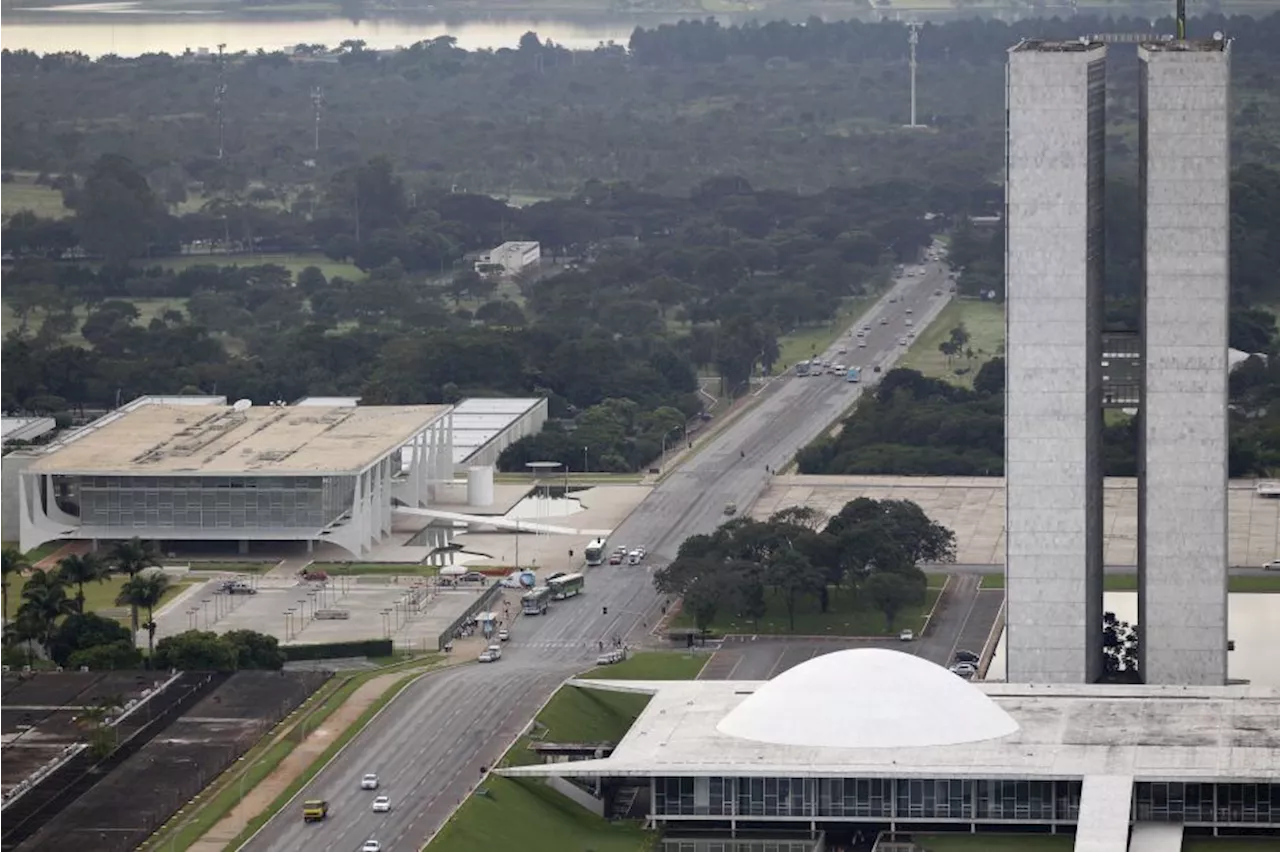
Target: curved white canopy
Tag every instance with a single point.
(867, 698)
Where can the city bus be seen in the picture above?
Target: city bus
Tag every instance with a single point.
(852, 375)
(595, 552)
(566, 586)
(802, 368)
(536, 601)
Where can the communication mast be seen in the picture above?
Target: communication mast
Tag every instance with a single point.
(317, 101)
(219, 94)
(913, 39)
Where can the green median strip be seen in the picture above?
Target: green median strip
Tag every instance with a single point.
(226, 792)
(282, 800)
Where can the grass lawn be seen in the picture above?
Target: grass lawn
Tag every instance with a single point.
(388, 568)
(148, 309)
(523, 813)
(652, 665)
(295, 263)
(844, 618)
(37, 553)
(97, 596)
(994, 842)
(527, 815)
(985, 324)
(232, 567)
(22, 194)
(806, 342)
(1230, 844)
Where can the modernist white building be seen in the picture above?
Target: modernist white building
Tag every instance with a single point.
(513, 257)
(197, 469)
(873, 740)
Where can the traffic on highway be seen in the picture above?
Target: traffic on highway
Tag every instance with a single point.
(431, 746)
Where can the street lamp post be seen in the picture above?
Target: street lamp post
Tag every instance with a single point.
(586, 467)
(205, 603)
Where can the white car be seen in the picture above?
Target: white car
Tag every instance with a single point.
(842, 350)
(862, 344)
(491, 654)
(1273, 565)
(643, 553)
(381, 805)
(965, 670)
(634, 557)
(907, 636)
(902, 342)
(504, 635)
(371, 846)
(369, 782)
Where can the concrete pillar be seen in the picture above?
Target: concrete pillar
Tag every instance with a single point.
(243, 546)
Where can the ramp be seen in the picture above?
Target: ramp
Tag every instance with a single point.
(513, 524)
(1156, 837)
(1104, 813)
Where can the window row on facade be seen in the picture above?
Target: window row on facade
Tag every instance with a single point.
(869, 798)
(1207, 803)
(884, 798)
(204, 483)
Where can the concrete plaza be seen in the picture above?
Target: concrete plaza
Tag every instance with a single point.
(974, 509)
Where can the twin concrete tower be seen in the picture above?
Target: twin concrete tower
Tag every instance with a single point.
(1062, 372)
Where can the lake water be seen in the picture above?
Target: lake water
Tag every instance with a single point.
(121, 28)
(1254, 624)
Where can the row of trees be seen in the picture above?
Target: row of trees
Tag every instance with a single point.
(871, 551)
(662, 288)
(49, 615)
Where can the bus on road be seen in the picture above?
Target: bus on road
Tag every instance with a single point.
(802, 368)
(595, 552)
(536, 601)
(853, 375)
(567, 586)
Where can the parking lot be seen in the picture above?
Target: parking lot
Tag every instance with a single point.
(413, 613)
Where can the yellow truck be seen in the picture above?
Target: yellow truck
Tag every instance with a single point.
(315, 810)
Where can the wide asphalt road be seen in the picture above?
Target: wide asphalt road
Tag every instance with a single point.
(428, 746)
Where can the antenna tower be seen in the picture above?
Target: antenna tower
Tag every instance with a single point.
(317, 101)
(913, 39)
(219, 94)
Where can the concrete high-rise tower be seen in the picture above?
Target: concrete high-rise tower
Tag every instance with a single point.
(1056, 95)
(1184, 178)
(1056, 383)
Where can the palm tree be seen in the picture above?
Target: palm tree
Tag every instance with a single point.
(80, 569)
(145, 590)
(44, 601)
(131, 557)
(14, 563)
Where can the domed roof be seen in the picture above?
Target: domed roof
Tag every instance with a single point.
(867, 698)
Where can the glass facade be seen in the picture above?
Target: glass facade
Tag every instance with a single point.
(1039, 802)
(680, 844)
(1215, 804)
(869, 798)
(212, 502)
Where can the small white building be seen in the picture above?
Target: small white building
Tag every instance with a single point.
(513, 257)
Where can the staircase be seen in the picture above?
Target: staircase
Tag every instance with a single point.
(623, 801)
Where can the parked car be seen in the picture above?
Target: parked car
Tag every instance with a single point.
(237, 587)
(314, 575)
(381, 805)
(369, 782)
(907, 636)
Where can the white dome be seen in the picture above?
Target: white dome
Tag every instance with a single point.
(867, 698)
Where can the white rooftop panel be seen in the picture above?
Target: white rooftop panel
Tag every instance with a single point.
(478, 421)
(25, 428)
